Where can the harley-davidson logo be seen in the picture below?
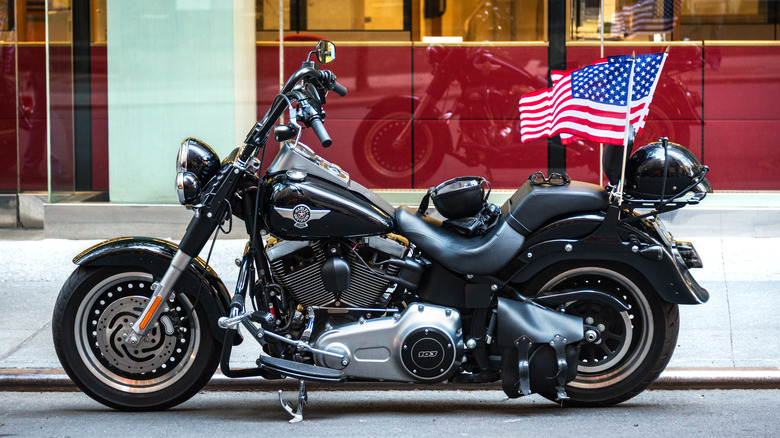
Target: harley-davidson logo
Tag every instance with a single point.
(301, 214)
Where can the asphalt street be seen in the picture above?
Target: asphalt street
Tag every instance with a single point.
(736, 413)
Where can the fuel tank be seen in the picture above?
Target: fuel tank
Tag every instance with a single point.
(298, 208)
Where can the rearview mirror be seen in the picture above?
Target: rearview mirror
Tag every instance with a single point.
(326, 51)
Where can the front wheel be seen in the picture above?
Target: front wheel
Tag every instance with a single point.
(634, 346)
(95, 311)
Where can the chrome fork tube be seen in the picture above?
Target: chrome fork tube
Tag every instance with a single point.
(157, 303)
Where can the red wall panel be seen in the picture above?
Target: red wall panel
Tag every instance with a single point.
(742, 117)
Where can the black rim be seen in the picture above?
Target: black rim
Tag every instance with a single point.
(625, 336)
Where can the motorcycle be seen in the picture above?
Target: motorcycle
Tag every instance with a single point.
(570, 290)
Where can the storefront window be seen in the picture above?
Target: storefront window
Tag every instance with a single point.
(341, 20)
(443, 74)
(675, 20)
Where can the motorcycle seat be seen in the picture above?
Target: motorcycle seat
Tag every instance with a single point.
(476, 255)
(532, 206)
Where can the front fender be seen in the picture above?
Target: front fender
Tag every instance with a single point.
(154, 256)
(592, 238)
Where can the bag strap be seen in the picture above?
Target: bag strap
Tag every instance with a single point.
(425, 201)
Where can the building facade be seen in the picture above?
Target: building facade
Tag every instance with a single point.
(96, 94)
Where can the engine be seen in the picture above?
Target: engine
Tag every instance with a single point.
(307, 270)
(424, 343)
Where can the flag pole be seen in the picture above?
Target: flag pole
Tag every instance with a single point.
(601, 145)
(628, 132)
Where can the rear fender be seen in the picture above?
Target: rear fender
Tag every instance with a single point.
(592, 238)
(154, 256)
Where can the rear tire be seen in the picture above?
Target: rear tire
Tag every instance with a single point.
(93, 313)
(635, 345)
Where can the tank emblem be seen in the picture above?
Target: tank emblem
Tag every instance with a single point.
(301, 214)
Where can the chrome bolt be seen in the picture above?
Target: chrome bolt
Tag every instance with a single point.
(589, 320)
(635, 249)
(591, 335)
(344, 362)
(568, 247)
(420, 308)
(529, 255)
(494, 287)
(469, 276)
(448, 312)
(471, 344)
(601, 327)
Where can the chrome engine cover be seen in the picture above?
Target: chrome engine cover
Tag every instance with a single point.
(424, 343)
(297, 265)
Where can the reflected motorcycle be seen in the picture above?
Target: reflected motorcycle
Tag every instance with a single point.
(481, 87)
(569, 290)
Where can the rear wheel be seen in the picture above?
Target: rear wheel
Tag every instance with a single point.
(634, 345)
(96, 310)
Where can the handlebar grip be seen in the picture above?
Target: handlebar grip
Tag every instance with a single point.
(339, 89)
(319, 129)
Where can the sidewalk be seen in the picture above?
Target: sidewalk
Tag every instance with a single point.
(729, 342)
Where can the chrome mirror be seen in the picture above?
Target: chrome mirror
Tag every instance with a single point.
(326, 51)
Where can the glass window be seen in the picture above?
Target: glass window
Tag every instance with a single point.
(675, 20)
(343, 20)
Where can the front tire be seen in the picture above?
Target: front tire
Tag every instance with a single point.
(95, 311)
(635, 345)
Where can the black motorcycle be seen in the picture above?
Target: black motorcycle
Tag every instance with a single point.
(569, 290)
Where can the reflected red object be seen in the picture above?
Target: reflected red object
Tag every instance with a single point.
(468, 128)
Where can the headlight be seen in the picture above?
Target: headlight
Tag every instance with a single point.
(196, 164)
(187, 187)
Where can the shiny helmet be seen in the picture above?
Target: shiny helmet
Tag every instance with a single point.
(664, 167)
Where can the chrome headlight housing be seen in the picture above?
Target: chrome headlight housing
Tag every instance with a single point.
(196, 164)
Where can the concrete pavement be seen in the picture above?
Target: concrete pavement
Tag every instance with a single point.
(729, 342)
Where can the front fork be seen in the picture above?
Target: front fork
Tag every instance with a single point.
(163, 292)
(208, 216)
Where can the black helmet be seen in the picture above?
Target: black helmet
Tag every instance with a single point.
(664, 166)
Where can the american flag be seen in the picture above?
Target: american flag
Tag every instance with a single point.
(592, 102)
(645, 17)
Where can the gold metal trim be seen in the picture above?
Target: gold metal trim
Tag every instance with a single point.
(737, 43)
(634, 44)
(408, 44)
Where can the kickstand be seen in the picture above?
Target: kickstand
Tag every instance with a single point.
(303, 398)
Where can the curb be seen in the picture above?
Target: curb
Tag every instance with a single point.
(55, 380)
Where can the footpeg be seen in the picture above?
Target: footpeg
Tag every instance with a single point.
(303, 398)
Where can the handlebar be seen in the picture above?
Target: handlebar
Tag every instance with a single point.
(328, 80)
(312, 117)
(319, 129)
